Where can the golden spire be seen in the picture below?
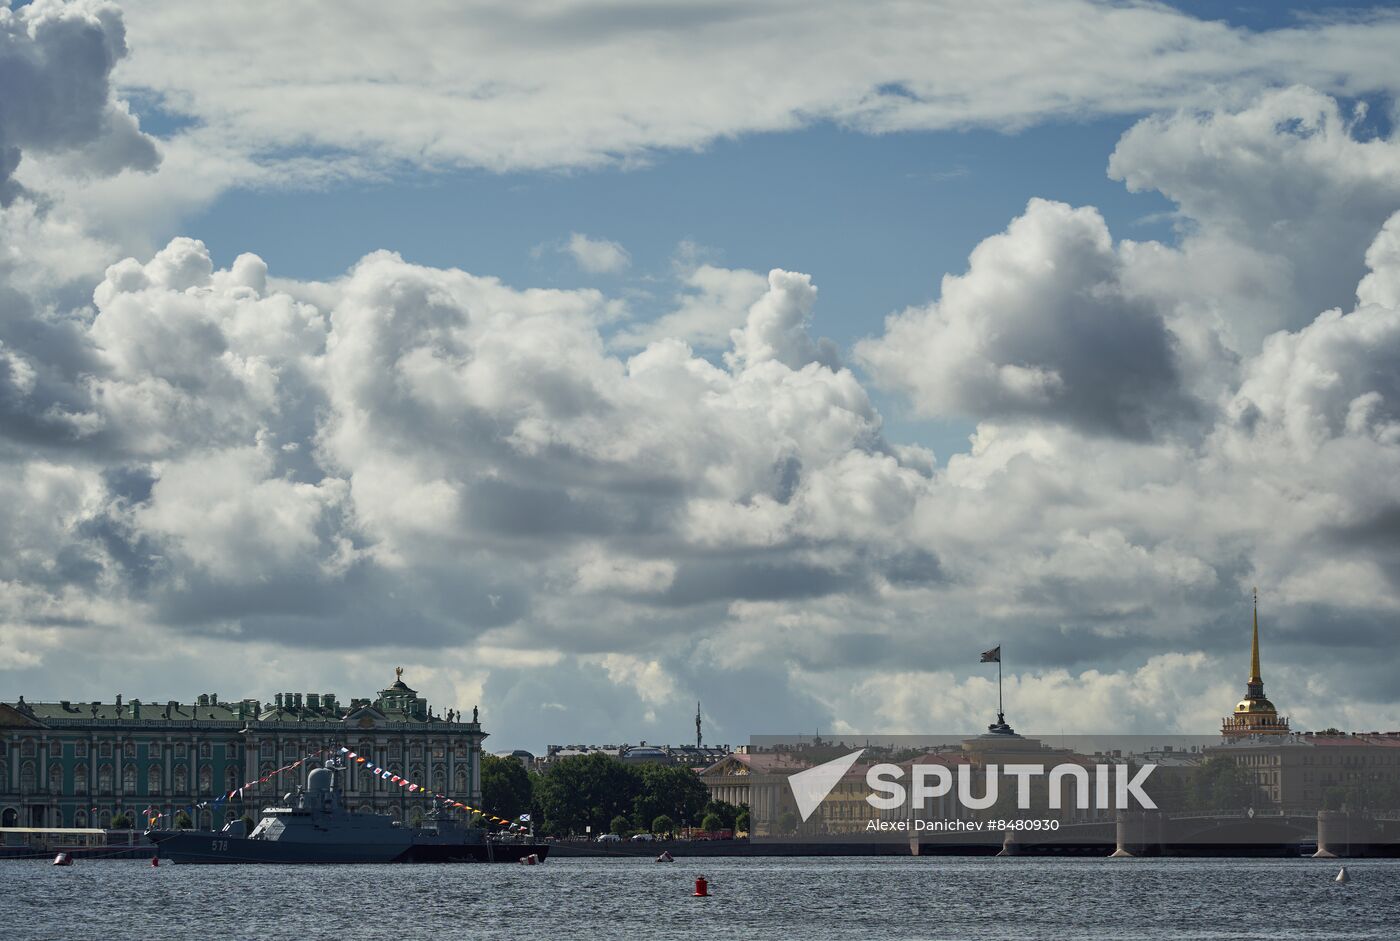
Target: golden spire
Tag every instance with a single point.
(1254, 676)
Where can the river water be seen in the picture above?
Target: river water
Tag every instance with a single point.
(752, 898)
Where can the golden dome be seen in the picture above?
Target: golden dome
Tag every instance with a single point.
(1256, 707)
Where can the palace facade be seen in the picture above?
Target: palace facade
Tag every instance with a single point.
(71, 764)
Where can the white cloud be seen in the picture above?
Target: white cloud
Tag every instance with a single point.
(473, 463)
(597, 256)
(713, 302)
(581, 84)
(1045, 324)
(209, 461)
(1282, 198)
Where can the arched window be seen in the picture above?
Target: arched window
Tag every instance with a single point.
(266, 772)
(128, 749)
(439, 778)
(55, 778)
(80, 778)
(80, 818)
(10, 817)
(230, 778)
(182, 779)
(129, 779)
(104, 779)
(104, 819)
(27, 779)
(153, 779)
(206, 780)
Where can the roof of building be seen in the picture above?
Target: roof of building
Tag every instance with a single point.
(404, 706)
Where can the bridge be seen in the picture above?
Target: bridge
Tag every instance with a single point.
(1325, 833)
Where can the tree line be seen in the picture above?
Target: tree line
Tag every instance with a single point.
(595, 793)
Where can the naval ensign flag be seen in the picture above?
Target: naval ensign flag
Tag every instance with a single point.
(992, 656)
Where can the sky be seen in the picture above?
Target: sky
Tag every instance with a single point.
(589, 359)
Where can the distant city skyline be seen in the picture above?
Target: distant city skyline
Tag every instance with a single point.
(594, 360)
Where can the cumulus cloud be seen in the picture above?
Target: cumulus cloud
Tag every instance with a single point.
(206, 460)
(597, 256)
(469, 462)
(1045, 324)
(712, 302)
(1280, 199)
(56, 61)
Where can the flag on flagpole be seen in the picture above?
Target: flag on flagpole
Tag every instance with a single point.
(992, 656)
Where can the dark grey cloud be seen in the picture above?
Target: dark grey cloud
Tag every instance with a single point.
(704, 581)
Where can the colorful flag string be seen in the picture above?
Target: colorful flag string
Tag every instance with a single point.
(414, 787)
(155, 817)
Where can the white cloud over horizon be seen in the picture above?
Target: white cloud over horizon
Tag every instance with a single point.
(413, 461)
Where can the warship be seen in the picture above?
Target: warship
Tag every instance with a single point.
(312, 825)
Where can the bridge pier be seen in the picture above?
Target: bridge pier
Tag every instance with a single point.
(1341, 833)
(1139, 833)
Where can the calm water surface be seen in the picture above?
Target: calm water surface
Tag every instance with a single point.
(905, 898)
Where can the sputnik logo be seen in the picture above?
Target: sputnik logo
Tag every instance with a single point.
(810, 787)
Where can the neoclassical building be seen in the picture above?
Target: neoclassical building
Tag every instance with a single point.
(83, 764)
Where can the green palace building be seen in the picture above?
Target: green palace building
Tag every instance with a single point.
(82, 764)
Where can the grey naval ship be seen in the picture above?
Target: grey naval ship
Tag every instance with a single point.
(312, 825)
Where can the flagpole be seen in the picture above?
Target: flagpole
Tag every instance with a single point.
(1001, 711)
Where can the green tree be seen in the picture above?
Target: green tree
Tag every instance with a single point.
(673, 790)
(183, 821)
(712, 822)
(725, 811)
(586, 791)
(663, 824)
(787, 822)
(506, 788)
(121, 821)
(1219, 784)
(619, 825)
(741, 822)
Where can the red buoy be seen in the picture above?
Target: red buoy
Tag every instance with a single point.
(155, 860)
(702, 888)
